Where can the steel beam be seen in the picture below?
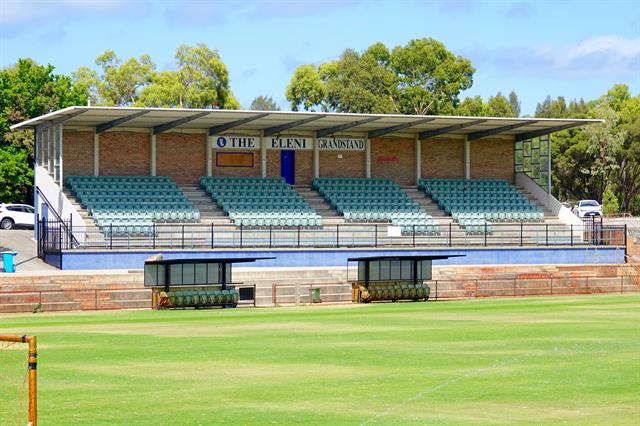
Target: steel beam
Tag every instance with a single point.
(172, 124)
(339, 128)
(441, 131)
(230, 125)
(282, 127)
(103, 127)
(484, 133)
(541, 132)
(380, 132)
(59, 120)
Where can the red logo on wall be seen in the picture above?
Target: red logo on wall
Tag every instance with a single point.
(387, 159)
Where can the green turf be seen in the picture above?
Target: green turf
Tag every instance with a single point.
(565, 360)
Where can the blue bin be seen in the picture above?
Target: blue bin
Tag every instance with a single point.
(7, 260)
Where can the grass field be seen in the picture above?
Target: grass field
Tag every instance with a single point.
(564, 360)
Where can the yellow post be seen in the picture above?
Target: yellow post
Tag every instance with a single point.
(32, 361)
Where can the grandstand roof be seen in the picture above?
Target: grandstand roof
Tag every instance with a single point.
(216, 121)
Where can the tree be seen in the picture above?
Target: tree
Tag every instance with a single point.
(16, 174)
(515, 103)
(604, 145)
(27, 90)
(200, 81)
(305, 90)
(629, 155)
(498, 106)
(472, 107)
(120, 82)
(264, 103)
(430, 77)
(422, 77)
(609, 202)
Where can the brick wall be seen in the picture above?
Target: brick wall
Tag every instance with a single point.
(181, 156)
(493, 159)
(393, 158)
(442, 158)
(350, 165)
(273, 163)
(125, 153)
(236, 171)
(77, 153)
(304, 167)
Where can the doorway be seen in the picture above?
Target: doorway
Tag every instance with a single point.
(288, 166)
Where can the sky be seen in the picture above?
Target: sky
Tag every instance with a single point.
(575, 49)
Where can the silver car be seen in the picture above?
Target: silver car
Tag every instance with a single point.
(587, 208)
(16, 215)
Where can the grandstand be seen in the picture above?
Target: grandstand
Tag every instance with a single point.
(110, 180)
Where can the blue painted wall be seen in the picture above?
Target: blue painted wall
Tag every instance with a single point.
(292, 258)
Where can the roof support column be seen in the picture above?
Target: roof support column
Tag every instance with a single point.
(316, 158)
(59, 169)
(418, 144)
(153, 154)
(263, 155)
(367, 158)
(467, 158)
(96, 154)
(50, 152)
(209, 148)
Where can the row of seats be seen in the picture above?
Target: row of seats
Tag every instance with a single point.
(394, 291)
(491, 199)
(260, 202)
(202, 298)
(375, 200)
(131, 204)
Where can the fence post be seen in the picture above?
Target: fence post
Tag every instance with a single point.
(449, 234)
(183, 237)
(436, 289)
(273, 294)
(571, 228)
(485, 238)
(337, 236)
(546, 232)
(551, 284)
(413, 234)
(212, 235)
(298, 236)
(476, 288)
(70, 230)
(514, 287)
(521, 234)
(154, 235)
(376, 235)
(624, 237)
(241, 226)
(96, 299)
(111, 236)
(270, 230)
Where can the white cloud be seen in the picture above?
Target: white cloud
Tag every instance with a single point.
(610, 55)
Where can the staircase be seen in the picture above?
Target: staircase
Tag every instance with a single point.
(210, 212)
(427, 204)
(317, 202)
(88, 219)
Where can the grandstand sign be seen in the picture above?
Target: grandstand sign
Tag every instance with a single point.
(235, 142)
(340, 144)
(290, 142)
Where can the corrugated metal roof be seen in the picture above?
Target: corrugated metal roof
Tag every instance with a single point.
(91, 117)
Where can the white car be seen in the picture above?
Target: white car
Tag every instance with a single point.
(13, 215)
(587, 208)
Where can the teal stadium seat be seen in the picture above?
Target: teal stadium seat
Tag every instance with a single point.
(476, 203)
(132, 204)
(375, 200)
(260, 202)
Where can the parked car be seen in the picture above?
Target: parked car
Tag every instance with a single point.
(16, 215)
(587, 208)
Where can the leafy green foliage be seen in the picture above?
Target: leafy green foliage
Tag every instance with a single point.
(16, 174)
(609, 202)
(422, 77)
(496, 106)
(264, 103)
